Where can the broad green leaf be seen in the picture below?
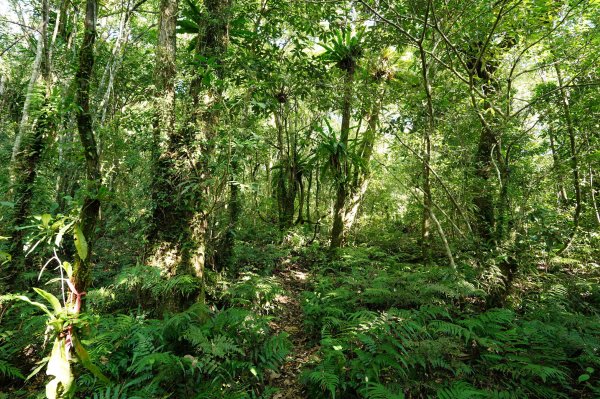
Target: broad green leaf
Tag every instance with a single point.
(39, 305)
(68, 268)
(5, 256)
(46, 217)
(80, 243)
(583, 378)
(52, 300)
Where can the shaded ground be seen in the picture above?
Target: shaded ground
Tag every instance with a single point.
(293, 278)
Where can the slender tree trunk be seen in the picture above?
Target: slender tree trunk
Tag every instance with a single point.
(444, 240)
(362, 175)
(2, 88)
(317, 190)
(225, 254)
(503, 222)
(24, 125)
(105, 87)
(573, 157)
(427, 132)
(63, 19)
(593, 196)
(340, 163)
(308, 191)
(561, 191)
(29, 145)
(484, 191)
(26, 164)
(482, 73)
(301, 198)
(286, 181)
(90, 212)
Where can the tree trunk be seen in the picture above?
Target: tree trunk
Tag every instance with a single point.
(427, 132)
(339, 161)
(593, 192)
(362, 174)
(308, 191)
(481, 72)
(286, 181)
(106, 85)
(503, 222)
(301, 198)
(165, 232)
(225, 254)
(574, 158)
(62, 31)
(24, 125)
(212, 46)
(90, 212)
(29, 146)
(561, 191)
(483, 200)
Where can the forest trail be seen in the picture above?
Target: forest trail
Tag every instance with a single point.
(288, 318)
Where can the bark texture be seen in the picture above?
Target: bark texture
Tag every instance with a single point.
(90, 211)
(339, 161)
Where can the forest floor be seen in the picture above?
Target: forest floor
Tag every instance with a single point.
(289, 318)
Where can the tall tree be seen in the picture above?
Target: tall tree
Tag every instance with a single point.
(30, 144)
(164, 231)
(345, 52)
(90, 210)
(212, 46)
(573, 155)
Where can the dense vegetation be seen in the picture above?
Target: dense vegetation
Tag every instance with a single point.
(299, 199)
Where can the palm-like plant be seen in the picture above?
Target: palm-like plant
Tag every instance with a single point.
(345, 50)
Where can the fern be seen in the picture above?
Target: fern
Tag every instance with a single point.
(460, 390)
(10, 371)
(110, 392)
(379, 391)
(254, 292)
(328, 381)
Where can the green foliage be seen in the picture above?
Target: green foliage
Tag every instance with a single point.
(62, 325)
(146, 287)
(372, 340)
(254, 292)
(499, 100)
(251, 256)
(195, 352)
(10, 371)
(345, 49)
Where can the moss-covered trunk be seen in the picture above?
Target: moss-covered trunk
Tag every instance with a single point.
(90, 210)
(339, 162)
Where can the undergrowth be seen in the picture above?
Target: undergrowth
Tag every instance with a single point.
(391, 330)
(150, 349)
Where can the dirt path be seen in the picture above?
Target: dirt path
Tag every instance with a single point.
(289, 319)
